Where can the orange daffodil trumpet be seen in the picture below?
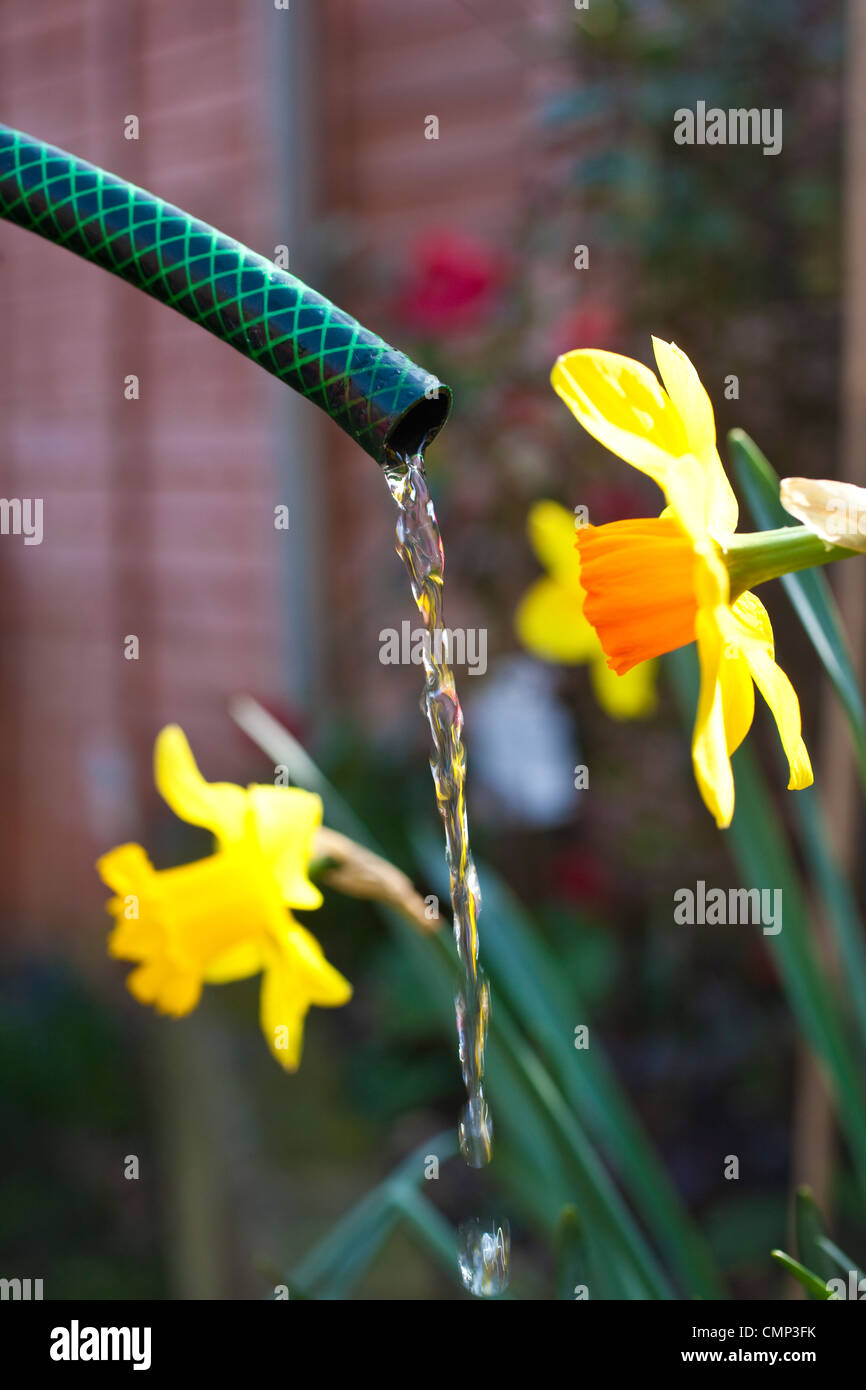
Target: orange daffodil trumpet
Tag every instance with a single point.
(656, 584)
(228, 916)
(550, 621)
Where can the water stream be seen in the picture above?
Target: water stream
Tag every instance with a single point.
(483, 1256)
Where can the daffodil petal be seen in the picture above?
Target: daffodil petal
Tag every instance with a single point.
(755, 635)
(319, 982)
(132, 939)
(125, 868)
(285, 821)
(281, 1014)
(553, 537)
(171, 991)
(621, 404)
(145, 982)
(687, 392)
(689, 488)
(550, 623)
(710, 759)
(782, 699)
(218, 806)
(631, 696)
(738, 697)
(238, 963)
(689, 396)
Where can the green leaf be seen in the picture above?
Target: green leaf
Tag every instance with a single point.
(527, 1102)
(436, 1234)
(333, 1266)
(624, 1246)
(816, 1286)
(809, 1225)
(764, 860)
(815, 606)
(570, 1253)
(839, 1259)
(548, 1007)
(531, 1113)
(839, 900)
(808, 590)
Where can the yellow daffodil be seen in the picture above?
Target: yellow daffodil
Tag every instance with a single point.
(225, 917)
(551, 624)
(657, 584)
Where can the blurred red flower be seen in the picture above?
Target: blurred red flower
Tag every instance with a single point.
(591, 324)
(452, 284)
(578, 878)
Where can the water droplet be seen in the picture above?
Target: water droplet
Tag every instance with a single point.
(483, 1257)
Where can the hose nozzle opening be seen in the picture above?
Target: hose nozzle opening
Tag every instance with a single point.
(419, 424)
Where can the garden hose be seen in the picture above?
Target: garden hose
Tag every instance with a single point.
(375, 393)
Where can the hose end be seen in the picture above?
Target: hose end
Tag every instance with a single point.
(418, 425)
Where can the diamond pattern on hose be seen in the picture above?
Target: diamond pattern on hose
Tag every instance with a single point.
(262, 311)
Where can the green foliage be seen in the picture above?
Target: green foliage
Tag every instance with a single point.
(74, 1094)
(759, 846)
(809, 1225)
(561, 1115)
(812, 599)
(810, 1281)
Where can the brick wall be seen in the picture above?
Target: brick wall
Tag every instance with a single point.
(158, 512)
(478, 67)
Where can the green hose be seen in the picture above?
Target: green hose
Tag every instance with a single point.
(376, 394)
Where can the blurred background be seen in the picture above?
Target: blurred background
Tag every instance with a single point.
(306, 127)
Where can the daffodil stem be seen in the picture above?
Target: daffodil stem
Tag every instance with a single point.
(754, 558)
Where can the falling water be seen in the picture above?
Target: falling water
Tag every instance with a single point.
(483, 1256)
(419, 545)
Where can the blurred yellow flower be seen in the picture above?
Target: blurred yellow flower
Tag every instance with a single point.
(225, 917)
(657, 584)
(550, 621)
